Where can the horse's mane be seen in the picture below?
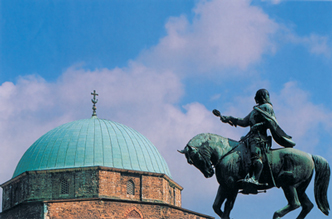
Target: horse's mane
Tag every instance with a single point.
(204, 141)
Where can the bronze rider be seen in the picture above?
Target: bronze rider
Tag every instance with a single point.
(260, 119)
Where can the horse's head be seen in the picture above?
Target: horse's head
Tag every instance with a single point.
(199, 159)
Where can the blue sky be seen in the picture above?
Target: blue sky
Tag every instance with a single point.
(161, 67)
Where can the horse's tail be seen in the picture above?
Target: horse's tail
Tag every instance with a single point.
(322, 179)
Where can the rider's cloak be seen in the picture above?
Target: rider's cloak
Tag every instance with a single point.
(277, 133)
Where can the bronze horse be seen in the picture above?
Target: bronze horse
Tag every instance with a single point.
(291, 169)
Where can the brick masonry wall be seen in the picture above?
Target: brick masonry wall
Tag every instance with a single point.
(153, 189)
(136, 180)
(178, 198)
(94, 192)
(86, 183)
(147, 187)
(45, 185)
(103, 209)
(24, 211)
(15, 192)
(39, 186)
(109, 184)
(90, 182)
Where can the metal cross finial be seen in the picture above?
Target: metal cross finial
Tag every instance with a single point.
(94, 101)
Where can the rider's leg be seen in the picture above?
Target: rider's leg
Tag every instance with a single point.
(258, 167)
(257, 163)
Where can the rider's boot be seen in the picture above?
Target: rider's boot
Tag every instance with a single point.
(258, 167)
(250, 185)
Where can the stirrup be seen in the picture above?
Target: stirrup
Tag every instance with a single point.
(250, 180)
(245, 179)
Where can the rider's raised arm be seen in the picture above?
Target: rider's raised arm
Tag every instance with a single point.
(243, 122)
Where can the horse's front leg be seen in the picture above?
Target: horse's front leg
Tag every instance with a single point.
(222, 194)
(232, 194)
(220, 198)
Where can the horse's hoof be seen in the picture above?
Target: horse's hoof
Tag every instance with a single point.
(276, 216)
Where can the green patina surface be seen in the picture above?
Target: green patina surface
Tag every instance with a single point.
(92, 142)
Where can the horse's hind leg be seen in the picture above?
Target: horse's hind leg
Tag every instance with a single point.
(293, 202)
(305, 202)
(306, 206)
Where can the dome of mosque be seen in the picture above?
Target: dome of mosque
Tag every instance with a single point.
(92, 142)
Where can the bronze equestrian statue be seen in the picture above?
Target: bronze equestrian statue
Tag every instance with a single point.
(250, 165)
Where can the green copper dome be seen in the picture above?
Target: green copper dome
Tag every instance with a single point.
(92, 142)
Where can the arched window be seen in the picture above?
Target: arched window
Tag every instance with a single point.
(130, 188)
(64, 186)
(134, 214)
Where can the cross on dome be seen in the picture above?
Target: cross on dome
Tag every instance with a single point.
(94, 101)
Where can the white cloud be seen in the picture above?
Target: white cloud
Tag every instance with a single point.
(222, 34)
(302, 119)
(275, 2)
(316, 44)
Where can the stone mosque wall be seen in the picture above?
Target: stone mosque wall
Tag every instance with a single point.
(95, 192)
(91, 182)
